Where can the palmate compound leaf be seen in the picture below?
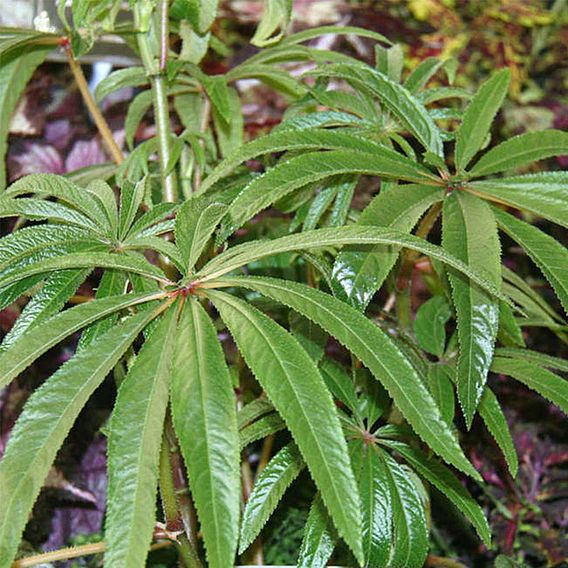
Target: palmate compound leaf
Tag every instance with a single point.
(294, 385)
(205, 420)
(134, 447)
(36, 341)
(469, 232)
(478, 117)
(547, 253)
(358, 274)
(376, 351)
(45, 422)
(268, 490)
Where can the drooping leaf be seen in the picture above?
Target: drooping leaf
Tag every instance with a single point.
(549, 385)
(429, 325)
(294, 385)
(134, 448)
(205, 420)
(268, 490)
(547, 253)
(319, 537)
(127, 77)
(448, 485)
(36, 341)
(494, 418)
(358, 274)
(15, 71)
(520, 151)
(399, 101)
(478, 117)
(44, 424)
(544, 193)
(470, 233)
(387, 364)
(273, 22)
(136, 111)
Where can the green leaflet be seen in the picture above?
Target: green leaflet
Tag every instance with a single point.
(339, 383)
(265, 426)
(240, 255)
(316, 139)
(56, 290)
(390, 61)
(268, 489)
(520, 151)
(295, 387)
(131, 197)
(377, 504)
(136, 264)
(128, 77)
(311, 33)
(399, 101)
(541, 359)
(154, 222)
(544, 193)
(319, 537)
(205, 420)
(275, 18)
(134, 448)
(422, 73)
(377, 352)
(229, 131)
(136, 111)
(546, 383)
(429, 325)
(440, 385)
(51, 185)
(44, 424)
(495, 421)
(478, 117)
(358, 274)
(42, 337)
(547, 253)
(15, 72)
(196, 220)
(410, 539)
(510, 332)
(445, 481)
(253, 411)
(470, 233)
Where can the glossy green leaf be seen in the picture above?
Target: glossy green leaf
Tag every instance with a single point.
(127, 77)
(358, 274)
(377, 352)
(36, 341)
(478, 117)
(134, 447)
(520, 151)
(495, 421)
(294, 385)
(545, 193)
(550, 386)
(196, 220)
(134, 264)
(448, 485)
(547, 253)
(241, 255)
(44, 424)
(56, 290)
(267, 492)
(470, 233)
(396, 98)
(205, 420)
(319, 537)
(430, 325)
(410, 539)
(376, 497)
(15, 72)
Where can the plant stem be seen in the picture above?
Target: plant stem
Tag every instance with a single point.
(72, 552)
(157, 76)
(102, 125)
